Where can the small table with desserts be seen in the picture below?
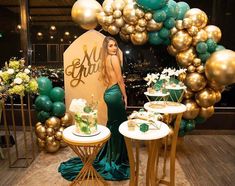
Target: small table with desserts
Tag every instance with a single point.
(136, 130)
(87, 146)
(169, 108)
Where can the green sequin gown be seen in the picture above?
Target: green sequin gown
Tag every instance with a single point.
(112, 161)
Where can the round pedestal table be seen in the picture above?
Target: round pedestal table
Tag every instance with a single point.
(87, 147)
(153, 137)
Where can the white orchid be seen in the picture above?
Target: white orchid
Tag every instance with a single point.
(26, 71)
(10, 71)
(151, 78)
(18, 81)
(77, 105)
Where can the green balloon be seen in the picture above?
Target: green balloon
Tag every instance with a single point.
(219, 47)
(169, 23)
(40, 101)
(151, 4)
(190, 126)
(181, 133)
(183, 8)
(58, 109)
(47, 105)
(211, 44)
(183, 124)
(42, 116)
(57, 94)
(176, 8)
(200, 120)
(159, 16)
(201, 47)
(154, 38)
(164, 33)
(44, 85)
(169, 10)
(204, 56)
(167, 41)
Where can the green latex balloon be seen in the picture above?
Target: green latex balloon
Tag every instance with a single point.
(200, 120)
(169, 23)
(176, 8)
(40, 101)
(47, 105)
(57, 94)
(181, 133)
(58, 109)
(154, 38)
(183, 8)
(166, 41)
(159, 16)
(204, 56)
(201, 47)
(44, 85)
(151, 4)
(219, 47)
(211, 44)
(164, 33)
(190, 125)
(183, 124)
(42, 116)
(169, 10)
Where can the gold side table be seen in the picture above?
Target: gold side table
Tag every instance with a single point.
(153, 137)
(168, 108)
(87, 147)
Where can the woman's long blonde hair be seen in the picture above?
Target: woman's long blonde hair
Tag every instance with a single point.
(104, 53)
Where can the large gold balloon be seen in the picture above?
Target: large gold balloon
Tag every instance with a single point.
(119, 22)
(216, 86)
(113, 30)
(206, 97)
(195, 81)
(153, 25)
(53, 147)
(186, 58)
(139, 38)
(129, 13)
(220, 67)
(188, 94)
(53, 122)
(213, 32)
(192, 109)
(171, 50)
(181, 40)
(66, 120)
(118, 4)
(206, 112)
(41, 132)
(84, 13)
(198, 17)
(201, 36)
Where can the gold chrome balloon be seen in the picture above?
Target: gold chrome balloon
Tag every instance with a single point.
(171, 50)
(201, 36)
(139, 13)
(196, 62)
(61, 129)
(66, 120)
(117, 14)
(181, 40)
(118, 4)
(84, 13)
(192, 109)
(186, 58)
(200, 69)
(119, 22)
(220, 67)
(50, 131)
(53, 147)
(41, 143)
(182, 76)
(108, 9)
(50, 139)
(193, 30)
(206, 97)
(216, 86)
(218, 96)
(101, 18)
(113, 30)
(142, 22)
(206, 112)
(148, 16)
(174, 30)
(108, 20)
(129, 14)
(191, 69)
(58, 135)
(179, 24)
(53, 122)
(195, 81)
(198, 17)
(41, 132)
(187, 23)
(188, 94)
(139, 28)
(153, 25)
(139, 38)
(130, 29)
(213, 32)
(124, 37)
(38, 124)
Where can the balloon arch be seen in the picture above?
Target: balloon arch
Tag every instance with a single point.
(210, 67)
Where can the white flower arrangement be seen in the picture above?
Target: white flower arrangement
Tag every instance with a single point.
(77, 105)
(16, 78)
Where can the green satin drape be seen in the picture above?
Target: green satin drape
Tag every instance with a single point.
(112, 161)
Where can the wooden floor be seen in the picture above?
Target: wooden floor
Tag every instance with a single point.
(207, 160)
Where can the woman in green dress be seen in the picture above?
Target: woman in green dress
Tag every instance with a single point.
(112, 161)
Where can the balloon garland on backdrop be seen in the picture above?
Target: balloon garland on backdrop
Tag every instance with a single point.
(51, 115)
(210, 67)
